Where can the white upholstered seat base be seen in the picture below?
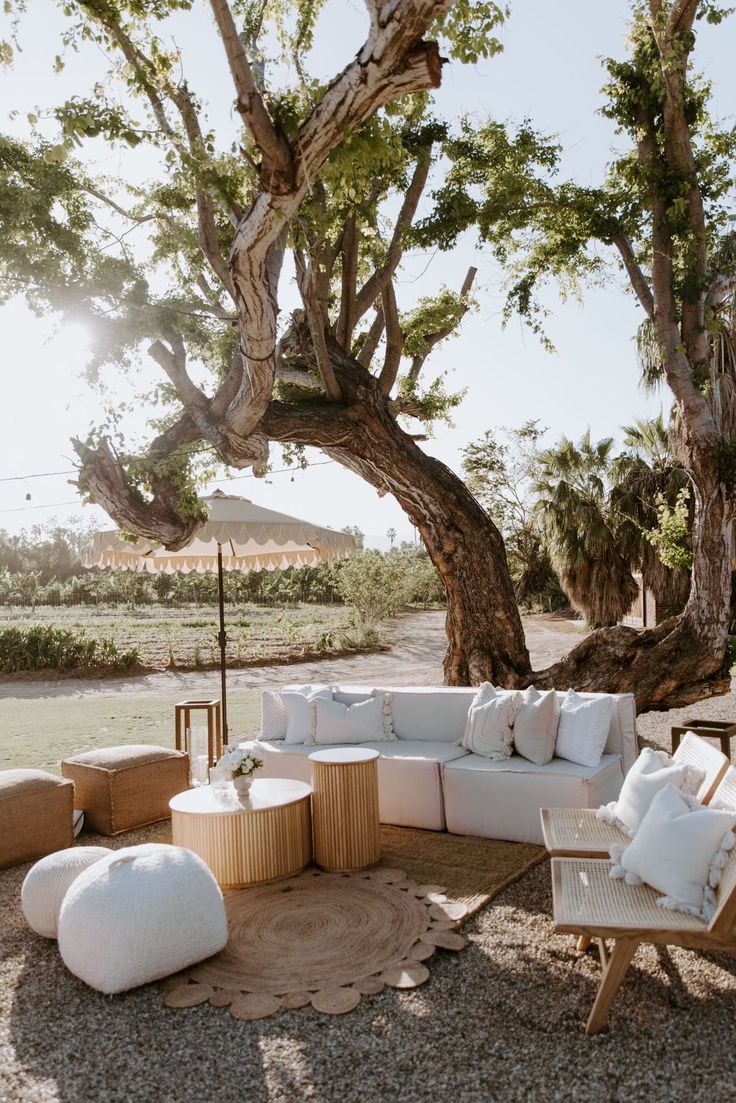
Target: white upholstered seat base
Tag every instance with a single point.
(502, 800)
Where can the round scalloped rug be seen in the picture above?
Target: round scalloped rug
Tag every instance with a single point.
(324, 939)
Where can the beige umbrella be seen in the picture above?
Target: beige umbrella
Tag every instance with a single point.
(238, 535)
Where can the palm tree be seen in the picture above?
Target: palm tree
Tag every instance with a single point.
(645, 472)
(573, 490)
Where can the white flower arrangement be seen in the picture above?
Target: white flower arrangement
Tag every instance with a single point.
(241, 762)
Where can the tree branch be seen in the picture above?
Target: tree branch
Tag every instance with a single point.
(277, 170)
(393, 62)
(103, 477)
(317, 320)
(372, 339)
(373, 286)
(638, 280)
(432, 339)
(349, 250)
(394, 340)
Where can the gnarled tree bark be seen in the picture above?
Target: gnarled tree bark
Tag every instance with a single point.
(484, 630)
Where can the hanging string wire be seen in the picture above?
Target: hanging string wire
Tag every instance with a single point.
(76, 501)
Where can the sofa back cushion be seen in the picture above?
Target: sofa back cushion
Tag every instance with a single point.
(622, 738)
(433, 714)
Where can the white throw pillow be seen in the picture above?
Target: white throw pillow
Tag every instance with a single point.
(358, 723)
(488, 728)
(274, 716)
(680, 849)
(583, 729)
(535, 727)
(650, 773)
(300, 722)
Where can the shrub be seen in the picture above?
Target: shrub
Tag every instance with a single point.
(377, 586)
(46, 648)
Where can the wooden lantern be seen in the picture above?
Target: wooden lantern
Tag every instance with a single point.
(183, 728)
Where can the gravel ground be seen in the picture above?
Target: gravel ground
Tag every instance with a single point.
(501, 1022)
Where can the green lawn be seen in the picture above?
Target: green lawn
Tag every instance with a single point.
(41, 732)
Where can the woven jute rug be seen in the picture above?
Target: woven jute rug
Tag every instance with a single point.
(472, 870)
(329, 939)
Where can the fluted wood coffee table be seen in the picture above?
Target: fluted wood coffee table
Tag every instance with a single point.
(345, 824)
(264, 838)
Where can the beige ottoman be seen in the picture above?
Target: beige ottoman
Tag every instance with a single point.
(35, 815)
(124, 787)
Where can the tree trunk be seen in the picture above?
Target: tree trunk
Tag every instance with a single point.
(484, 630)
(686, 658)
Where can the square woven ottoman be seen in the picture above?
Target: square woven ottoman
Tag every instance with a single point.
(120, 788)
(35, 815)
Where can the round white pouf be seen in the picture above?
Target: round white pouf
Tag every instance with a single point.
(141, 913)
(46, 884)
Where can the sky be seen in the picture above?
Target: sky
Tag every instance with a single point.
(549, 72)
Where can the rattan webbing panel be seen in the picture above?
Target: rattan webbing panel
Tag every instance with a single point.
(705, 756)
(345, 821)
(587, 896)
(726, 791)
(572, 831)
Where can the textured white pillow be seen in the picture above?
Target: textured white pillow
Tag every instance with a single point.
(680, 849)
(488, 727)
(650, 773)
(139, 914)
(535, 727)
(358, 723)
(583, 728)
(46, 884)
(274, 717)
(300, 723)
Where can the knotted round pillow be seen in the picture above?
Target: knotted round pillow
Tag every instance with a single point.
(47, 882)
(141, 913)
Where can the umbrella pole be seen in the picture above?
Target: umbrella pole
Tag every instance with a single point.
(222, 640)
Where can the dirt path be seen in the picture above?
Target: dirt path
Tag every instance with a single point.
(419, 643)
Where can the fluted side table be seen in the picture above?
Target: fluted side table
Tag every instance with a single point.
(264, 838)
(345, 825)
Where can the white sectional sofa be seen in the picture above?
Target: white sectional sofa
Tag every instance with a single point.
(427, 780)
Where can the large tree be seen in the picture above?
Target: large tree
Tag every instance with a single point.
(329, 177)
(666, 211)
(312, 175)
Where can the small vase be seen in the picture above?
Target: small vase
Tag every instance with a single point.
(242, 786)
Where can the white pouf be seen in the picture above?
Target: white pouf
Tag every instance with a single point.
(141, 913)
(46, 884)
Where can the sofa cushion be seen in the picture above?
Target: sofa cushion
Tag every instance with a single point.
(428, 713)
(535, 727)
(502, 800)
(584, 727)
(418, 748)
(336, 723)
(274, 715)
(301, 719)
(488, 727)
(558, 767)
